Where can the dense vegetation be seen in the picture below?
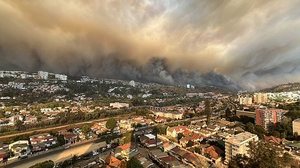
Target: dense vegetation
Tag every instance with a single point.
(262, 155)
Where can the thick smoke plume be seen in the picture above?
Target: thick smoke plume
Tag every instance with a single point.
(254, 43)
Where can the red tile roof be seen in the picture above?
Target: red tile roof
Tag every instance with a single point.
(125, 146)
(214, 152)
(112, 161)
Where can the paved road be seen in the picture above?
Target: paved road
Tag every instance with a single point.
(58, 156)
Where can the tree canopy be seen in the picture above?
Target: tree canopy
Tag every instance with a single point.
(134, 163)
(111, 123)
(46, 164)
(262, 155)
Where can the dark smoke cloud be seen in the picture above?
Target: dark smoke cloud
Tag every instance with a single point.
(208, 42)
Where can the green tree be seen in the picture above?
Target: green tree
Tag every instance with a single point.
(262, 155)
(46, 164)
(111, 123)
(260, 131)
(19, 125)
(2, 114)
(190, 144)
(134, 163)
(61, 140)
(86, 129)
(250, 127)
(155, 132)
(228, 113)
(127, 138)
(207, 111)
(162, 129)
(179, 136)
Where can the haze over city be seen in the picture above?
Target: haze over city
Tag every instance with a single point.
(149, 84)
(253, 44)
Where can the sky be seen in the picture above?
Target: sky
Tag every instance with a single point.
(252, 44)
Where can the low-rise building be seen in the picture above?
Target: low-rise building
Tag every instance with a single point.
(125, 151)
(118, 105)
(20, 148)
(149, 140)
(42, 141)
(169, 114)
(174, 131)
(99, 128)
(69, 137)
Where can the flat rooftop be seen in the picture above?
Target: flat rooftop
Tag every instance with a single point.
(241, 137)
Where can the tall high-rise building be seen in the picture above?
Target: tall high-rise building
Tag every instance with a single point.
(238, 144)
(260, 98)
(268, 117)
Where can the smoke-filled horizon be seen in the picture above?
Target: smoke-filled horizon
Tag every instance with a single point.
(252, 44)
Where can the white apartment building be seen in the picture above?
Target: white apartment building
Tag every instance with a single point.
(238, 144)
(118, 105)
(260, 98)
(43, 75)
(61, 77)
(246, 100)
(296, 126)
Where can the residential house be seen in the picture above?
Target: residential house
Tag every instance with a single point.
(193, 137)
(126, 125)
(69, 137)
(273, 140)
(149, 140)
(164, 160)
(29, 119)
(118, 105)
(214, 153)
(145, 162)
(167, 146)
(174, 131)
(113, 162)
(20, 148)
(125, 151)
(42, 141)
(99, 128)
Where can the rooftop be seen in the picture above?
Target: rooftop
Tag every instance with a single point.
(241, 138)
(297, 120)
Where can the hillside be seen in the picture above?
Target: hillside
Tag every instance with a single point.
(283, 88)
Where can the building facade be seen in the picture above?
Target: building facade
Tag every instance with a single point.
(43, 75)
(268, 117)
(238, 144)
(296, 126)
(260, 98)
(245, 100)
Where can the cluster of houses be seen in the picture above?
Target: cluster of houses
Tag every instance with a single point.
(24, 148)
(206, 140)
(163, 153)
(42, 142)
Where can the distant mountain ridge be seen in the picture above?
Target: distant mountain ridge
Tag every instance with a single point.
(284, 88)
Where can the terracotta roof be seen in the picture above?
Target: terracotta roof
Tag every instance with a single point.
(273, 139)
(214, 152)
(179, 128)
(192, 158)
(125, 146)
(112, 161)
